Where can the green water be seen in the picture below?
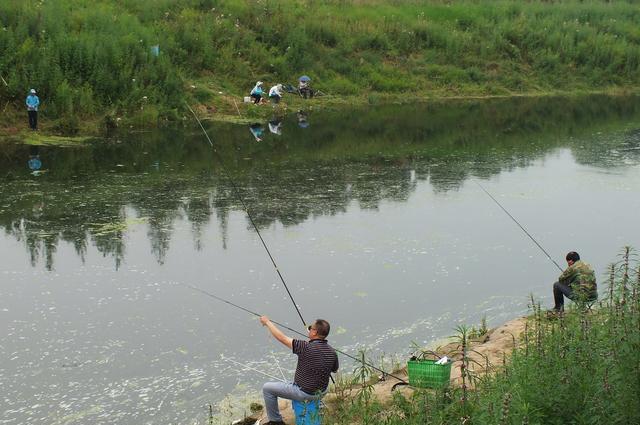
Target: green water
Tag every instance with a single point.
(373, 216)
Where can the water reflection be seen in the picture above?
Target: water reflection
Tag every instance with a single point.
(303, 119)
(363, 157)
(34, 163)
(257, 130)
(370, 214)
(275, 126)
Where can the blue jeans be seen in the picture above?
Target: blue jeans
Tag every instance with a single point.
(272, 390)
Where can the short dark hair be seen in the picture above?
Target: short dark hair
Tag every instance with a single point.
(573, 256)
(322, 328)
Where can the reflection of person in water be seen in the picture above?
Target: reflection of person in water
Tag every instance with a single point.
(257, 130)
(275, 126)
(302, 119)
(34, 159)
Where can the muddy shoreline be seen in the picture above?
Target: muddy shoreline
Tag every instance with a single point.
(14, 128)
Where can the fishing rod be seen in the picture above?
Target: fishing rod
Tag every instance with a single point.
(237, 193)
(246, 209)
(209, 294)
(519, 225)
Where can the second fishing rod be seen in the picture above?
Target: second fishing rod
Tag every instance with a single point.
(215, 297)
(519, 225)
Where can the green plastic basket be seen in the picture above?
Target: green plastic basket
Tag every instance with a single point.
(428, 374)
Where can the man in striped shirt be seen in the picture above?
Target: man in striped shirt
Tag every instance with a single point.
(316, 360)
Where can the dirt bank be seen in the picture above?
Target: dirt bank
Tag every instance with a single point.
(493, 349)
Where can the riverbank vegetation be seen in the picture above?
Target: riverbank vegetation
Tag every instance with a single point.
(579, 368)
(139, 62)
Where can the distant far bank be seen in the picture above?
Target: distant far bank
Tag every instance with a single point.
(108, 63)
(15, 128)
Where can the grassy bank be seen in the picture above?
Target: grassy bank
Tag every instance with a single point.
(580, 368)
(93, 63)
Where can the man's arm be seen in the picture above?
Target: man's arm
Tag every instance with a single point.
(277, 333)
(567, 276)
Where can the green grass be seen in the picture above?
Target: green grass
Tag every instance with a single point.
(90, 60)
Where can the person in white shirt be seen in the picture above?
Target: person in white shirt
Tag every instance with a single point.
(275, 93)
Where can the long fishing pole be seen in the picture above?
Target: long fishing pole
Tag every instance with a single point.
(209, 294)
(244, 206)
(519, 225)
(237, 192)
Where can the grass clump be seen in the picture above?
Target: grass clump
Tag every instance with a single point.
(579, 368)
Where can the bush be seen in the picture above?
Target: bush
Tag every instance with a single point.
(68, 125)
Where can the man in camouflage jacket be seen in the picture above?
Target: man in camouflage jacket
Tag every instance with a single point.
(577, 282)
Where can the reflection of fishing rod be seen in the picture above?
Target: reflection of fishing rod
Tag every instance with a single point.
(244, 206)
(209, 294)
(519, 225)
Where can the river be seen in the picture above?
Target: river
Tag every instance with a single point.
(376, 219)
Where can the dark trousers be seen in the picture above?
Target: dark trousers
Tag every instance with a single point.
(561, 290)
(306, 92)
(33, 119)
(256, 98)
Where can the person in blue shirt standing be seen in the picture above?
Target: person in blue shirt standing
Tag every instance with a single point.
(32, 109)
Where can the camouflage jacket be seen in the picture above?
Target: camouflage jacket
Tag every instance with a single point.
(579, 275)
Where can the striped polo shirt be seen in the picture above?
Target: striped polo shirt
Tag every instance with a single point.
(316, 360)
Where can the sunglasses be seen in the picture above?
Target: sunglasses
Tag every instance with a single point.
(309, 327)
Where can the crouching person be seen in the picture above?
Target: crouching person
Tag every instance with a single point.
(305, 90)
(316, 361)
(577, 282)
(275, 93)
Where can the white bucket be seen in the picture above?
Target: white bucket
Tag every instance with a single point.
(247, 99)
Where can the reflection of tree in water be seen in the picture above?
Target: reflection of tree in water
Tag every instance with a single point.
(160, 203)
(366, 159)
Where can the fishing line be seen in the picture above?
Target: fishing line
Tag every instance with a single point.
(251, 368)
(209, 294)
(519, 225)
(244, 206)
(278, 365)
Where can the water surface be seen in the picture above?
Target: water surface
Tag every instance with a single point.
(375, 218)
